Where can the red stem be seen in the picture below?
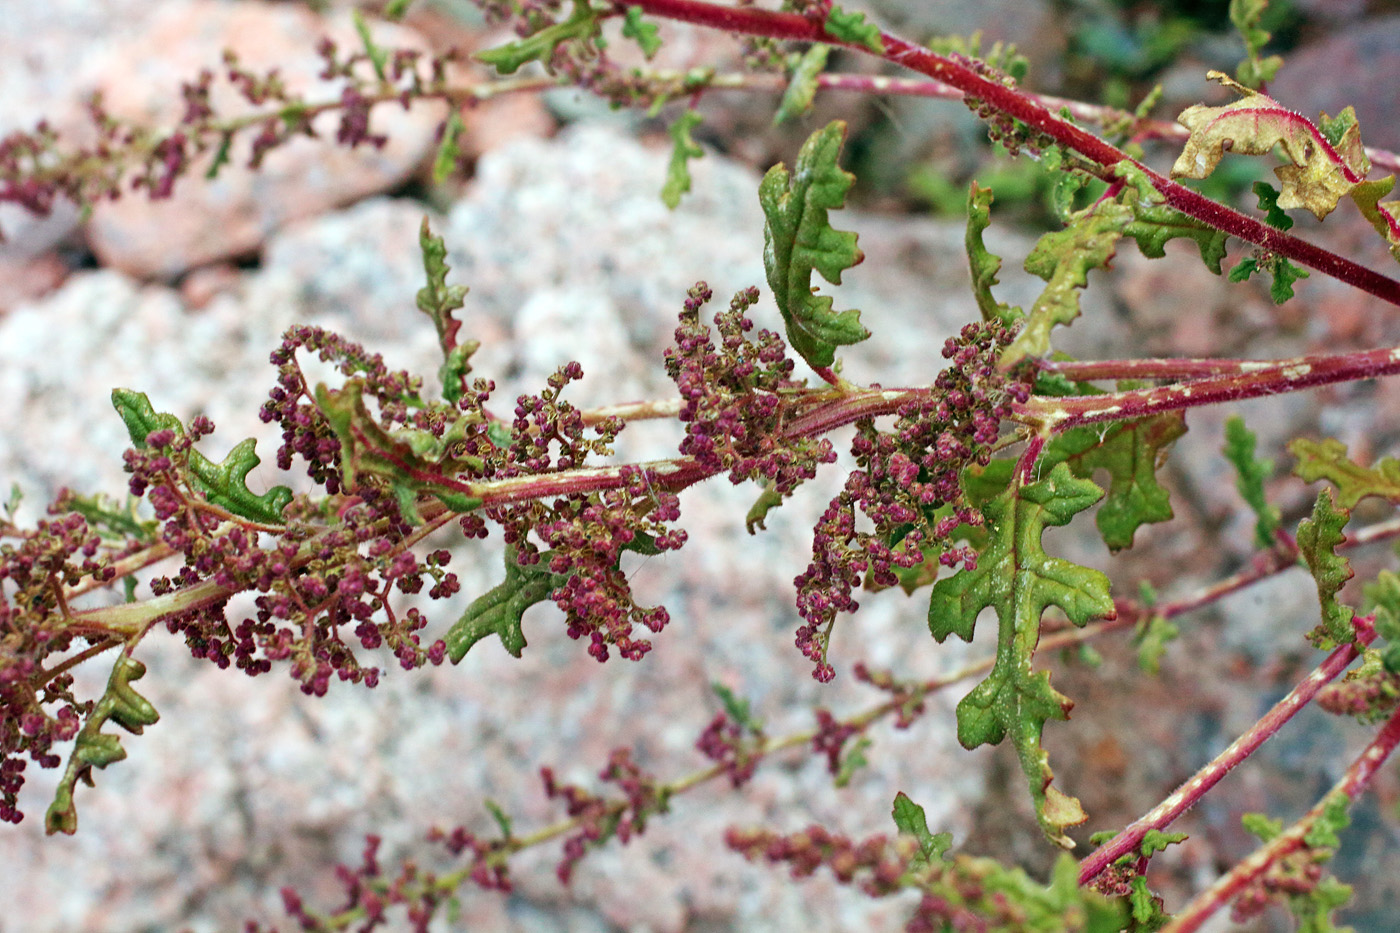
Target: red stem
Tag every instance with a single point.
(1189, 793)
(1019, 105)
(1357, 777)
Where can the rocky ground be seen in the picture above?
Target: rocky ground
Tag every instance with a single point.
(245, 786)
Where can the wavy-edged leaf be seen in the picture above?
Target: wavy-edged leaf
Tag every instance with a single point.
(645, 34)
(223, 484)
(438, 300)
(802, 85)
(984, 264)
(582, 21)
(910, 820)
(501, 609)
(1320, 171)
(1327, 459)
(1252, 473)
(798, 239)
(1015, 577)
(855, 29)
(1063, 259)
(119, 704)
(1384, 217)
(408, 461)
(683, 149)
(1318, 538)
(1131, 452)
(1154, 223)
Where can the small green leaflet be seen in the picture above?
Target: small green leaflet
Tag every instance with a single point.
(1383, 598)
(1131, 451)
(501, 609)
(802, 86)
(1253, 472)
(1063, 259)
(737, 708)
(645, 34)
(1274, 215)
(910, 820)
(119, 704)
(1261, 827)
(1253, 71)
(1284, 274)
(448, 151)
(1327, 459)
(506, 59)
(1154, 223)
(222, 484)
(409, 461)
(1318, 538)
(378, 58)
(853, 28)
(799, 240)
(1020, 581)
(438, 300)
(683, 149)
(984, 264)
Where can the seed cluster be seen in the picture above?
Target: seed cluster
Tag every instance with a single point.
(908, 484)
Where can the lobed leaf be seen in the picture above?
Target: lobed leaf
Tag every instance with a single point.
(1253, 472)
(683, 149)
(448, 151)
(501, 609)
(1154, 223)
(438, 300)
(799, 240)
(1318, 538)
(802, 85)
(855, 29)
(1327, 460)
(646, 35)
(506, 59)
(984, 264)
(910, 820)
(1246, 16)
(1320, 172)
(1063, 259)
(1015, 577)
(119, 704)
(223, 484)
(1385, 218)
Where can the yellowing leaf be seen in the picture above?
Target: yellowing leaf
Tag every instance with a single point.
(1384, 217)
(1321, 170)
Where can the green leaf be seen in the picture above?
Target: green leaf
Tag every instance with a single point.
(1152, 643)
(1016, 578)
(852, 761)
(1154, 223)
(1385, 218)
(767, 501)
(1146, 906)
(910, 820)
(409, 462)
(119, 704)
(1285, 274)
(448, 151)
(1332, 819)
(737, 708)
(1246, 16)
(683, 149)
(646, 35)
(1063, 259)
(1253, 472)
(799, 240)
(1261, 827)
(378, 58)
(507, 59)
(802, 86)
(111, 519)
(853, 28)
(1318, 538)
(1383, 598)
(394, 10)
(1131, 452)
(223, 484)
(500, 610)
(1274, 216)
(438, 300)
(984, 264)
(1327, 459)
(1155, 841)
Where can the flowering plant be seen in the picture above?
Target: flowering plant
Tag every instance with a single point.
(949, 490)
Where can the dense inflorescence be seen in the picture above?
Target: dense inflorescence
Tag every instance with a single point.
(732, 397)
(909, 485)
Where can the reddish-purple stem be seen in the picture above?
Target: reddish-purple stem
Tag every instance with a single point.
(1356, 779)
(1189, 793)
(1021, 106)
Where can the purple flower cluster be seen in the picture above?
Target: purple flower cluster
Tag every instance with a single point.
(732, 397)
(600, 818)
(909, 486)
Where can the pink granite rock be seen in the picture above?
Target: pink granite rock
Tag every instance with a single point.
(232, 215)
